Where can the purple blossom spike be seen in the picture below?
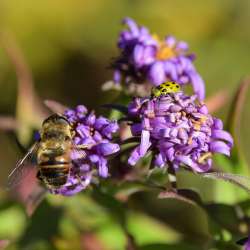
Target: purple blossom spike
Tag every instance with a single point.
(178, 130)
(144, 57)
(95, 134)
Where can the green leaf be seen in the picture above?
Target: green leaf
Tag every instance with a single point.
(189, 220)
(233, 125)
(222, 245)
(228, 217)
(147, 229)
(12, 222)
(112, 235)
(116, 209)
(121, 108)
(123, 191)
(180, 246)
(185, 195)
(44, 225)
(239, 180)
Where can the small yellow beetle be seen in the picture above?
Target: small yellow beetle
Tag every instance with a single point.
(165, 88)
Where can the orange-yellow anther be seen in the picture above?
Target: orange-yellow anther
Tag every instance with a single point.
(164, 51)
(204, 157)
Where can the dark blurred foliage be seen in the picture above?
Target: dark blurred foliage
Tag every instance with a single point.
(65, 48)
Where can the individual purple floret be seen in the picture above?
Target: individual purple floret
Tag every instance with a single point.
(247, 244)
(95, 135)
(144, 57)
(178, 130)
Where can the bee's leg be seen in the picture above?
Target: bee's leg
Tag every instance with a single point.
(80, 149)
(73, 133)
(80, 180)
(81, 146)
(77, 175)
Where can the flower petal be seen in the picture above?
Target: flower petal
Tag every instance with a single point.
(159, 162)
(103, 167)
(132, 26)
(117, 76)
(220, 147)
(145, 142)
(107, 148)
(156, 73)
(198, 85)
(189, 162)
(135, 156)
(223, 135)
(138, 55)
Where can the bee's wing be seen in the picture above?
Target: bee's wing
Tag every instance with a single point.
(78, 151)
(22, 168)
(34, 198)
(55, 107)
(239, 180)
(29, 191)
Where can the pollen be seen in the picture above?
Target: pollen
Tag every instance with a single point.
(190, 140)
(164, 51)
(196, 125)
(203, 119)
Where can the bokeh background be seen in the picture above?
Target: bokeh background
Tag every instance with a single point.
(68, 46)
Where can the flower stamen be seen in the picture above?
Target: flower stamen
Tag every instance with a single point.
(204, 157)
(165, 52)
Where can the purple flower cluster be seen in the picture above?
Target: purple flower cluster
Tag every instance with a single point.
(94, 135)
(178, 130)
(247, 244)
(144, 57)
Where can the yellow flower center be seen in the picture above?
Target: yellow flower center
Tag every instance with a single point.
(164, 51)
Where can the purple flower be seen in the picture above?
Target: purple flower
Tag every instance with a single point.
(144, 57)
(247, 244)
(95, 135)
(178, 130)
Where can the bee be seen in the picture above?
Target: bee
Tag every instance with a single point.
(52, 152)
(164, 89)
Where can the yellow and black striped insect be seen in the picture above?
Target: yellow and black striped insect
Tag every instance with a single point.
(165, 88)
(53, 153)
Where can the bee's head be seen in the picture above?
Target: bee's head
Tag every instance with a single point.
(56, 126)
(56, 119)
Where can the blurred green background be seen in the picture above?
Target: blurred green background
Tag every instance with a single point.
(69, 45)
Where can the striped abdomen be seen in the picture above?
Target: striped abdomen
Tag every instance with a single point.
(54, 167)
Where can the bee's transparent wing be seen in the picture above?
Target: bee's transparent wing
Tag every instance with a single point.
(22, 168)
(34, 198)
(239, 180)
(78, 151)
(55, 107)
